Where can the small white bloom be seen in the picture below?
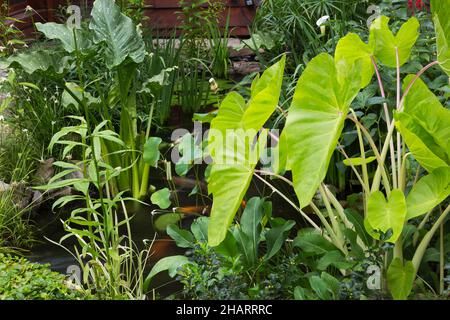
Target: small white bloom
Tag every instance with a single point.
(2, 118)
(2, 48)
(213, 85)
(24, 130)
(28, 9)
(53, 123)
(322, 20)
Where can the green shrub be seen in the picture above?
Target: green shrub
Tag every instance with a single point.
(23, 280)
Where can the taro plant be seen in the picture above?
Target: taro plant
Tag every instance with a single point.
(418, 132)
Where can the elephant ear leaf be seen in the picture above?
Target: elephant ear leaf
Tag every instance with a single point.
(428, 192)
(351, 49)
(265, 95)
(400, 278)
(441, 18)
(38, 61)
(315, 121)
(117, 32)
(71, 39)
(425, 125)
(387, 216)
(229, 179)
(385, 43)
(232, 148)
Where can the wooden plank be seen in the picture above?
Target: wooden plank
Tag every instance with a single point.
(162, 14)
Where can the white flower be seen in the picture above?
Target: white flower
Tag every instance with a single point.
(24, 130)
(2, 48)
(322, 20)
(213, 85)
(2, 118)
(28, 9)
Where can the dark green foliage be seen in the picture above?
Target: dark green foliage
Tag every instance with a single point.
(22, 280)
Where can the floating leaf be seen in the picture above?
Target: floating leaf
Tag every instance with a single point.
(161, 198)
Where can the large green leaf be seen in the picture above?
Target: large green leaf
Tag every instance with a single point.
(351, 49)
(230, 144)
(385, 43)
(264, 96)
(441, 18)
(400, 278)
(71, 39)
(117, 32)
(428, 192)
(229, 180)
(315, 122)
(40, 60)
(387, 215)
(425, 125)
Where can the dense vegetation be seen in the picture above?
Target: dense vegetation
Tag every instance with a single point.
(324, 176)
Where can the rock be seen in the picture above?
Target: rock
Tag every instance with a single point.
(245, 67)
(37, 198)
(45, 171)
(4, 186)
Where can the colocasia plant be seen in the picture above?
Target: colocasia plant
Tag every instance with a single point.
(394, 198)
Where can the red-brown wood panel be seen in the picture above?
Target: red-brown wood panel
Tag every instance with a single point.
(162, 14)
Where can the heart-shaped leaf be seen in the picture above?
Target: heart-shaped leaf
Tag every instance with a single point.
(315, 122)
(151, 151)
(400, 278)
(428, 192)
(161, 198)
(385, 43)
(387, 215)
(351, 49)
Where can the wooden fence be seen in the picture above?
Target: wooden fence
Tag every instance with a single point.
(161, 13)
